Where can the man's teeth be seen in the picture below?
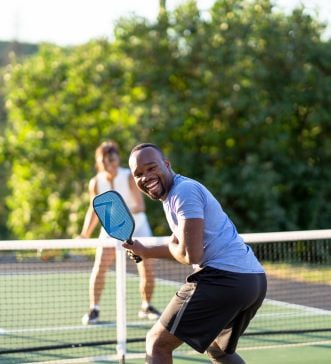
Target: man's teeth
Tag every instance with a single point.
(151, 185)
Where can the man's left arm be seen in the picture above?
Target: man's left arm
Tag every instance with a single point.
(188, 247)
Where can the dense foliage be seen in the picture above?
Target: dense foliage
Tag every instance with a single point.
(239, 99)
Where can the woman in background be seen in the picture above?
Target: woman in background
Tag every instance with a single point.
(111, 176)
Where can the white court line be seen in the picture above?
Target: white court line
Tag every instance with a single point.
(263, 316)
(313, 310)
(54, 329)
(113, 358)
(282, 345)
(94, 359)
(278, 346)
(318, 311)
(259, 316)
(73, 328)
(305, 310)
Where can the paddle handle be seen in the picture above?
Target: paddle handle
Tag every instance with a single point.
(136, 258)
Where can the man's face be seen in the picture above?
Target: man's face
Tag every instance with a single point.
(151, 172)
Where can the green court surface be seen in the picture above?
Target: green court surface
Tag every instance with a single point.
(319, 354)
(45, 308)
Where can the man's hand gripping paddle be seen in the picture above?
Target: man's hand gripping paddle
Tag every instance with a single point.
(115, 217)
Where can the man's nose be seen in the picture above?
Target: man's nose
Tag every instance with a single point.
(145, 177)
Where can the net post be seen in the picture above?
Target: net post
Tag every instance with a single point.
(120, 301)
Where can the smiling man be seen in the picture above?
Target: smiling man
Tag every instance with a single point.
(227, 285)
(151, 171)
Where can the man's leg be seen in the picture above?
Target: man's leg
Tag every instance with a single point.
(160, 344)
(218, 356)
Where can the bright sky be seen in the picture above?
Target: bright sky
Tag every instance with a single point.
(77, 21)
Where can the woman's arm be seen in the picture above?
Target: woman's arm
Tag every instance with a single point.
(91, 219)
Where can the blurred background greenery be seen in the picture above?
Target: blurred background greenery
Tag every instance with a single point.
(238, 98)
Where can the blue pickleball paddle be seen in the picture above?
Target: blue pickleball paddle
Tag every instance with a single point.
(115, 216)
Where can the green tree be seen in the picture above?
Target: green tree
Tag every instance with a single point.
(238, 105)
(61, 103)
(238, 99)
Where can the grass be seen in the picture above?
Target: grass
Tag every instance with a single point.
(300, 272)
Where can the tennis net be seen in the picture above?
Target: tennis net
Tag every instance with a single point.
(44, 294)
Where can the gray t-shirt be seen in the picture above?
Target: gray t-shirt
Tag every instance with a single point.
(223, 247)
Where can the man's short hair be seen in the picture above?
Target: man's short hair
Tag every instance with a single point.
(146, 145)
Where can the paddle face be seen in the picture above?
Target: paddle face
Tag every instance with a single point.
(115, 216)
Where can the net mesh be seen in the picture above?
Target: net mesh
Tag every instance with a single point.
(44, 294)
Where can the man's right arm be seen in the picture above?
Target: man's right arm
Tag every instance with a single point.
(151, 251)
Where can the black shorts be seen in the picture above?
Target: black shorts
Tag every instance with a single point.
(214, 305)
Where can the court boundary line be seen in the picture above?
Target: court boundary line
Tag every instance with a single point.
(284, 304)
(178, 353)
(315, 310)
(74, 328)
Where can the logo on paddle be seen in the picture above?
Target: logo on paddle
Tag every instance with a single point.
(107, 220)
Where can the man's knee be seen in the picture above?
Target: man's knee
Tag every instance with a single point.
(154, 338)
(215, 353)
(151, 337)
(159, 340)
(153, 342)
(218, 356)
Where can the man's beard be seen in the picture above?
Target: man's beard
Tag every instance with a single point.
(156, 196)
